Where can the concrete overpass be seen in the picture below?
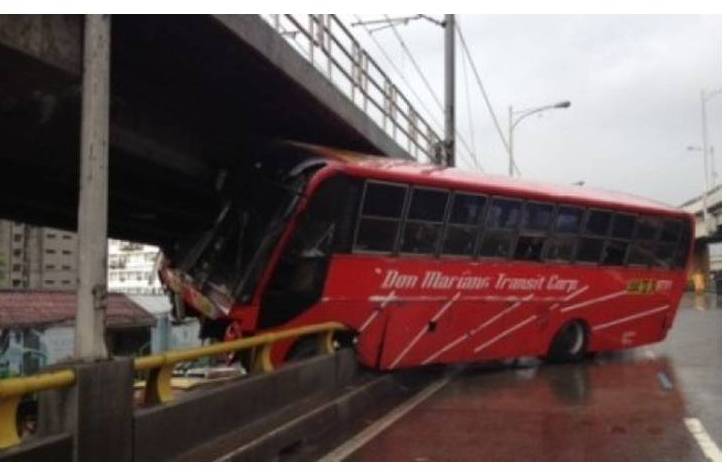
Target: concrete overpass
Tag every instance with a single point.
(703, 264)
(190, 95)
(712, 203)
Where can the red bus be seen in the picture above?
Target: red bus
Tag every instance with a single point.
(427, 264)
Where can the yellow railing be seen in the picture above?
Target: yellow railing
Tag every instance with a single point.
(160, 367)
(12, 391)
(159, 388)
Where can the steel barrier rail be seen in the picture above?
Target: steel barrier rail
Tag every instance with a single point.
(160, 367)
(158, 387)
(343, 54)
(11, 392)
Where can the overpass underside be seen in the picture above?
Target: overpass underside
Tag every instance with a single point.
(190, 95)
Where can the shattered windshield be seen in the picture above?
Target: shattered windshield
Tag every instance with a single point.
(258, 201)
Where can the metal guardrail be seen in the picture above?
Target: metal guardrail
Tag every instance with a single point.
(330, 47)
(12, 391)
(158, 387)
(160, 368)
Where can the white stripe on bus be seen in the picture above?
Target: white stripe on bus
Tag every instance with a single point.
(424, 329)
(494, 319)
(377, 310)
(628, 318)
(593, 301)
(446, 348)
(467, 335)
(505, 333)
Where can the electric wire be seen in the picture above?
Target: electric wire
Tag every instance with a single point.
(484, 93)
(386, 56)
(469, 115)
(468, 146)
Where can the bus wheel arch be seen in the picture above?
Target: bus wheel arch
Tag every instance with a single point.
(570, 342)
(308, 346)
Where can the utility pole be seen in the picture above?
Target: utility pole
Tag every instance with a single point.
(704, 96)
(449, 92)
(705, 152)
(93, 199)
(510, 144)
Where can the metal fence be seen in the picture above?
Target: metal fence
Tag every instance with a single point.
(328, 45)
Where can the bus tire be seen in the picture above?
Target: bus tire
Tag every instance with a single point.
(570, 344)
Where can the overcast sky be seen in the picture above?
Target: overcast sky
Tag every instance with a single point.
(634, 83)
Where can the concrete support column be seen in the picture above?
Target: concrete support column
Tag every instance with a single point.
(98, 411)
(93, 202)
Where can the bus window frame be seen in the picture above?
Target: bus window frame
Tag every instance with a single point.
(405, 219)
(545, 234)
(629, 241)
(514, 232)
(554, 233)
(478, 226)
(404, 208)
(655, 240)
(582, 234)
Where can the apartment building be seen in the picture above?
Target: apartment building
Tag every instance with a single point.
(37, 257)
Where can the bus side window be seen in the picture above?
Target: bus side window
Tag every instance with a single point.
(562, 244)
(666, 248)
(461, 234)
(537, 218)
(424, 221)
(685, 240)
(501, 224)
(617, 246)
(644, 249)
(380, 215)
(590, 246)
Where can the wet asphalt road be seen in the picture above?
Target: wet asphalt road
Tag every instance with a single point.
(625, 406)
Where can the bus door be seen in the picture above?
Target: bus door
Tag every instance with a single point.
(325, 227)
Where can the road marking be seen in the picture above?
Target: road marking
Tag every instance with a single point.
(709, 448)
(665, 381)
(345, 450)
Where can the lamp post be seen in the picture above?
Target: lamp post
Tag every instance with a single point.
(515, 117)
(704, 97)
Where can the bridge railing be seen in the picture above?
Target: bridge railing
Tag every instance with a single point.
(160, 369)
(158, 388)
(12, 391)
(328, 45)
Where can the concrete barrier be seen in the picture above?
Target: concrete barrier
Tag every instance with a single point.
(166, 431)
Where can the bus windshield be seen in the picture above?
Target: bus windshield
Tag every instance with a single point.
(229, 257)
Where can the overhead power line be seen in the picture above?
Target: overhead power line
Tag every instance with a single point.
(469, 114)
(421, 102)
(416, 65)
(468, 146)
(484, 92)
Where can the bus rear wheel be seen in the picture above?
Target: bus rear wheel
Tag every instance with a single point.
(569, 344)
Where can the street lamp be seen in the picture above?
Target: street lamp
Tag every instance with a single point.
(515, 117)
(704, 97)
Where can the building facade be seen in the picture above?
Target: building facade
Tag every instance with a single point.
(132, 268)
(37, 257)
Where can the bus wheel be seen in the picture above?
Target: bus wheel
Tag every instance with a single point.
(569, 344)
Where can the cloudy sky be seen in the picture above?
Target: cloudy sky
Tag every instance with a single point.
(634, 82)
